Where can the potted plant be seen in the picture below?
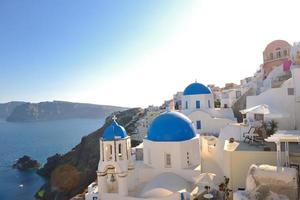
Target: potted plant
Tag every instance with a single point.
(271, 127)
(224, 191)
(222, 187)
(207, 188)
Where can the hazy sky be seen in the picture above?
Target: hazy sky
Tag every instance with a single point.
(135, 52)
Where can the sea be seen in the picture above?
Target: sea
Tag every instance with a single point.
(38, 140)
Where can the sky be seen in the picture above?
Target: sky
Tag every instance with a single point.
(136, 52)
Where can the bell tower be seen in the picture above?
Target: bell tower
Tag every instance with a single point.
(115, 160)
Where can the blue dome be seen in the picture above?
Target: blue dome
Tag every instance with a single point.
(114, 131)
(196, 88)
(171, 126)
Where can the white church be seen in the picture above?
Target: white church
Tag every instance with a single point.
(198, 105)
(170, 168)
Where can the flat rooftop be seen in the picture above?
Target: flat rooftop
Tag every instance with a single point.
(257, 146)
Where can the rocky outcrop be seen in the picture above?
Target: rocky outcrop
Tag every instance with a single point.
(7, 108)
(26, 163)
(68, 175)
(59, 110)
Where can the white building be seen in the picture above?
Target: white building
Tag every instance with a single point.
(198, 105)
(178, 100)
(170, 169)
(283, 103)
(175, 160)
(229, 97)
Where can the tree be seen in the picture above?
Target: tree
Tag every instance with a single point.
(271, 127)
(217, 103)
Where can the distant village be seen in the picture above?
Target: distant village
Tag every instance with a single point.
(238, 142)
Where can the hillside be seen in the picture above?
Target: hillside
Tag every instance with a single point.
(59, 110)
(68, 175)
(7, 108)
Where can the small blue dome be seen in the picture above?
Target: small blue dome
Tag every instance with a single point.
(171, 126)
(196, 88)
(114, 131)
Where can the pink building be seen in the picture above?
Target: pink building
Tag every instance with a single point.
(276, 53)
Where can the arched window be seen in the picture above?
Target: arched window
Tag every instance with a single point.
(278, 54)
(120, 151)
(271, 56)
(108, 151)
(209, 105)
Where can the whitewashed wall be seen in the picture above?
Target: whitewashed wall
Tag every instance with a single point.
(208, 123)
(178, 150)
(279, 100)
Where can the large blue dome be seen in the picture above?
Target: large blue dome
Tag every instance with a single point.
(196, 88)
(171, 126)
(114, 131)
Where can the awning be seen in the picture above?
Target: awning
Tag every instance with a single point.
(285, 136)
(266, 110)
(260, 109)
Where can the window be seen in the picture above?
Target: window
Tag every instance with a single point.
(238, 94)
(225, 105)
(278, 54)
(291, 91)
(209, 106)
(95, 198)
(271, 56)
(186, 105)
(109, 152)
(120, 151)
(110, 149)
(197, 104)
(258, 117)
(168, 160)
(198, 123)
(285, 52)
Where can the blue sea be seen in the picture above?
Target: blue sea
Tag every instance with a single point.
(38, 140)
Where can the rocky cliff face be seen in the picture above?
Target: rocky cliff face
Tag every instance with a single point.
(59, 110)
(7, 108)
(68, 175)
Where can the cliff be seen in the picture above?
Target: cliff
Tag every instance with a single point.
(59, 110)
(7, 108)
(68, 175)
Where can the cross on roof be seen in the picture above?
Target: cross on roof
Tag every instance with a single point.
(114, 118)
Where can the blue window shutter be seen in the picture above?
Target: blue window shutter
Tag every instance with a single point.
(199, 124)
(197, 104)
